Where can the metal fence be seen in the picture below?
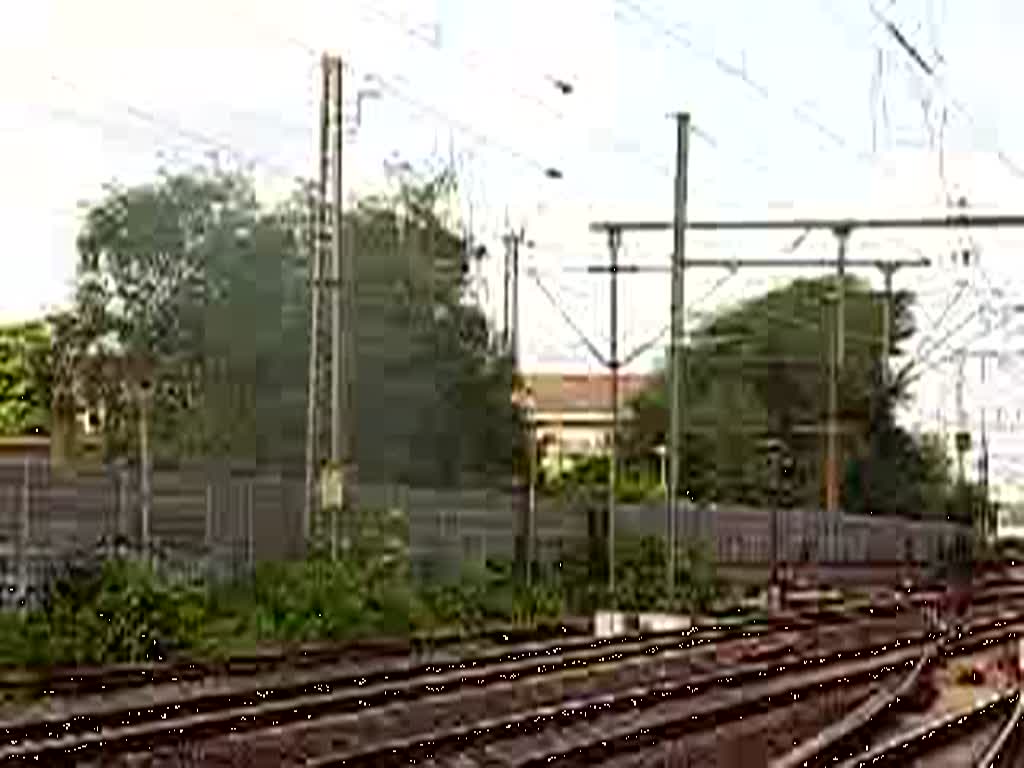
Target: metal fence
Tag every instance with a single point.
(218, 522)
(221, 522)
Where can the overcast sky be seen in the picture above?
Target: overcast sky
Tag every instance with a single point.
(800, 107)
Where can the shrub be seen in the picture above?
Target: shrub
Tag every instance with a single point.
(122, 612)
(307, 601)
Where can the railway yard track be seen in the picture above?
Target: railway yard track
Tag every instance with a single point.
(985, 735)
(612, 728)
(542, 673)
(573, 701)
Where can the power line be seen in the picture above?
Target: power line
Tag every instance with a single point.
(931, 74)
(397, 91)
(473, 60)
(740, 73)
(945, 312)
(737, 72)
(590, 345)
(189, 133)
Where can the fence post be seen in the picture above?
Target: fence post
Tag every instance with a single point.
(208, 518)
(250, 524)
(208, 530)
(23, 529)
(121, 477)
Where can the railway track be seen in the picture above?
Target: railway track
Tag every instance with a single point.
(987, 735)
(605, 727)
(367, 657)
(80, 681)
(456, 705)
(538, 673)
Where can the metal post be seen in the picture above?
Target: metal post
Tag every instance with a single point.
(318, 211)
(983, 459)
(349, 360)
(961, 442)
(122, 498)
(531, 502)
(144, 469)
(337, 342)
(833, 460)
(614, 241)
(506, 329)
(23, 528)
(208, 531)
(775, 468)
(887, 314)
(677, 378)
(517, 240)
(250, 524)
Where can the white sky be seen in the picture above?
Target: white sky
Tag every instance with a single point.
(822, 113)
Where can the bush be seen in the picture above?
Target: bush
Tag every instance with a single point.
(121, 612)
(487, 595)
(641, 582)
(305, 601)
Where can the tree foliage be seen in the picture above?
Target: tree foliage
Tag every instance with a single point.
(431, 380)
(25, 379)
(759, 371)
(190, 283)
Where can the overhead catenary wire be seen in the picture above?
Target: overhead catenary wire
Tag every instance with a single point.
(932, 74)
(476, 61)
(250, 159)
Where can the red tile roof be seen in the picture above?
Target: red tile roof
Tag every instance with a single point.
(574, 393)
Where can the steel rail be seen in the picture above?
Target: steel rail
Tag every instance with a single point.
(1004, 749)
(628, 728)
(428, 745)
(856, 720)
(935, 733)
(607, 743)
(248, 707)
(224, 713)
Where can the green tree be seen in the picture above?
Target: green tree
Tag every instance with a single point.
(193, 277)
(431, 379)
(25, 379)
(759, 369)
(185, 277)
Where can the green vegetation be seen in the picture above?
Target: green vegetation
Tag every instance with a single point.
(756, 373)
(637, 481)
(192, 284)
(124, 611)
(25, 379)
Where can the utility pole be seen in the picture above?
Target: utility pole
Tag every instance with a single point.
(338, 347)
(510, 333)
(318, 212)
(614, 242)
(144, 392)
(513, 240)
(832, 460)
(887, 312)
(517, 240)
(963, 436)
(329, 422)
(677, 351)
(983, 457)
(983, 462)
(506, 295)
